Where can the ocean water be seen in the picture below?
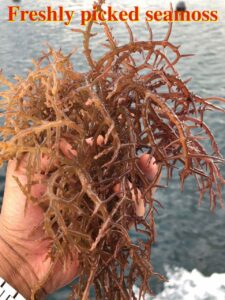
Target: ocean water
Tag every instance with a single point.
(190, 247)
(193, 285)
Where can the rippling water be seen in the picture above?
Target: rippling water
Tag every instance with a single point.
(188, 237)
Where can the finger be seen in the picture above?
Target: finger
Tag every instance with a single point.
(46, 162)
(11, 184)
(69, 152)
(67, 149)
(148, 166)
(99, 141)
(150, 169)
(138, 199)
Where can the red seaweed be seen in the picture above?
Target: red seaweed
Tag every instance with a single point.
(128, 106)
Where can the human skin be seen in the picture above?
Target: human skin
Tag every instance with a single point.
(23, 261)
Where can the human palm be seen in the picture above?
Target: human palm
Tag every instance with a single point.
(25, 233)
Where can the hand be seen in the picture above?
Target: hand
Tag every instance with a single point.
(16, 230)
(150, 169)
(28, 252)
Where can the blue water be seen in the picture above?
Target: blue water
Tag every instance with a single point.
(188, 237)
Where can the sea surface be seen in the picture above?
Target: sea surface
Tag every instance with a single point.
(190, 247)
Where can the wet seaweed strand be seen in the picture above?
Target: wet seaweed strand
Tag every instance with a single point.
(136, 105)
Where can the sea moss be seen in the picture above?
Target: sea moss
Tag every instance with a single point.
(136, 101)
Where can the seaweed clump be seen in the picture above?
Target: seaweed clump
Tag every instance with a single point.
(135, 101)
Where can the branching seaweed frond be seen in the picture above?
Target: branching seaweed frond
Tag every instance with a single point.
(135, 99)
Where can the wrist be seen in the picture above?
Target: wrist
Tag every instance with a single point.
(15, 270)
(11, 269)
